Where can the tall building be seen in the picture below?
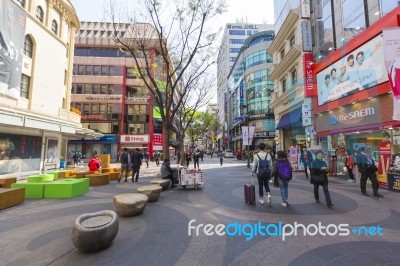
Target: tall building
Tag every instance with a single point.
(110, 94)
(232, 40)
(348, 89)
(249, 93)
(36, 49)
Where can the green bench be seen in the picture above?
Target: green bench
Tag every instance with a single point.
(61, 188)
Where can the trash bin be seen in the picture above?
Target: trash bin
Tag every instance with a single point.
(62, 164)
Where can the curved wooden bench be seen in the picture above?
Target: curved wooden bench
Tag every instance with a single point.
(151, 191)
(95, 231)
(130, 204)
(98, 179)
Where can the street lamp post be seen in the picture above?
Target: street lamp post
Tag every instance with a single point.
(243, 106)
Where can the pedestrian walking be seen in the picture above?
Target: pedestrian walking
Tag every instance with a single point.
(319, 177)
(367, 168)
(188, 159)
(146, 158)
(262, 165)
(306, 158)
(282, 173)
(125, 160)
(157, 158)
(196, 158)
(221, 157)
(136, 162)
(349, 163)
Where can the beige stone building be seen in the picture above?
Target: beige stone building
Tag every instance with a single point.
(36, 54)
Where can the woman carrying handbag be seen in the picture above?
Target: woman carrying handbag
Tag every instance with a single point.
(319, 177)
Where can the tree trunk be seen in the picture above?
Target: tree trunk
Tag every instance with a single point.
(166, 134)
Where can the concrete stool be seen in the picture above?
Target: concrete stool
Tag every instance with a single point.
(95, 231)
(130, 204)
(164, 183)
(151, 191)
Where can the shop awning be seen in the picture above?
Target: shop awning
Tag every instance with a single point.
(292, 118)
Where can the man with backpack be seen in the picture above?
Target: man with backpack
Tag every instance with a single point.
(262, 165)
(282, 174)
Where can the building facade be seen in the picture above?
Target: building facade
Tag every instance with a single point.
(110, 94)
(356, 108)
(36, 53)
(233, 39)
(249, 93)
(348, 88)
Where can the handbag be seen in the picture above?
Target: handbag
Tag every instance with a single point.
(372, 168)
(318, 177)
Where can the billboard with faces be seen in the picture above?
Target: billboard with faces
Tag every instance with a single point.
(359, 70)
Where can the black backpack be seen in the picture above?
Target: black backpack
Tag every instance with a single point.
(263, 167)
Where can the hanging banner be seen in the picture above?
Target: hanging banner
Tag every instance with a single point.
(245, 135)
(251, 134)
(391, 52)
(309, 90)
(305, 8)
(385, 157)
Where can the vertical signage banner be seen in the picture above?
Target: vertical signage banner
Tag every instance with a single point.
(306, 37)
(12, 36)
(241, 96)
(385, 156)
(309, 90)
(251, 134)
(305, 8)
(391, 51)
(245, 135)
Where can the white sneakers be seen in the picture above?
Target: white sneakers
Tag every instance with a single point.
(284, 204)
(269, 199)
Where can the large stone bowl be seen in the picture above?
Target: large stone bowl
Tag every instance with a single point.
(151, 191)
(130, 204)
(95, 231)
(164, 183)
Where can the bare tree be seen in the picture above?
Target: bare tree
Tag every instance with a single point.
(172, 51)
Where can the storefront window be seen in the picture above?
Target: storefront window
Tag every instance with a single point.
(325, 31)
(353, 19)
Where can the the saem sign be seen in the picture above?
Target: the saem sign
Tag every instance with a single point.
(308, 75)
(334, 119)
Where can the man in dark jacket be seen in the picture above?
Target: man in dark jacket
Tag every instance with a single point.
(136, 160)
(306, 158)
(125, 161)
(366, 166)
(167, 172)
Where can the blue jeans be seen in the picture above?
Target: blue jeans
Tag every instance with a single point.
(283, 186)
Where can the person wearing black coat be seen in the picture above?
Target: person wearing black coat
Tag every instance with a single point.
(367, 168)
(318, 169)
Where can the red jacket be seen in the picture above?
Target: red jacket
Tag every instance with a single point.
(94, 164)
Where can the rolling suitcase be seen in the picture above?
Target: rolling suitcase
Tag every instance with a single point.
(249, 193)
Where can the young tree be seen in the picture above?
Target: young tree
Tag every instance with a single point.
(171, 51)
(188, 119)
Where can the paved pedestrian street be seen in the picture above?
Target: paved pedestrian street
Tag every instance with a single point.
(38, 232)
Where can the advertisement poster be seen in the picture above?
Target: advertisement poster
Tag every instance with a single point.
(385, 158)
(362, 69)
(293, 157)
(12, 35)
(52, 152)
(19, 153)
(391, 50)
